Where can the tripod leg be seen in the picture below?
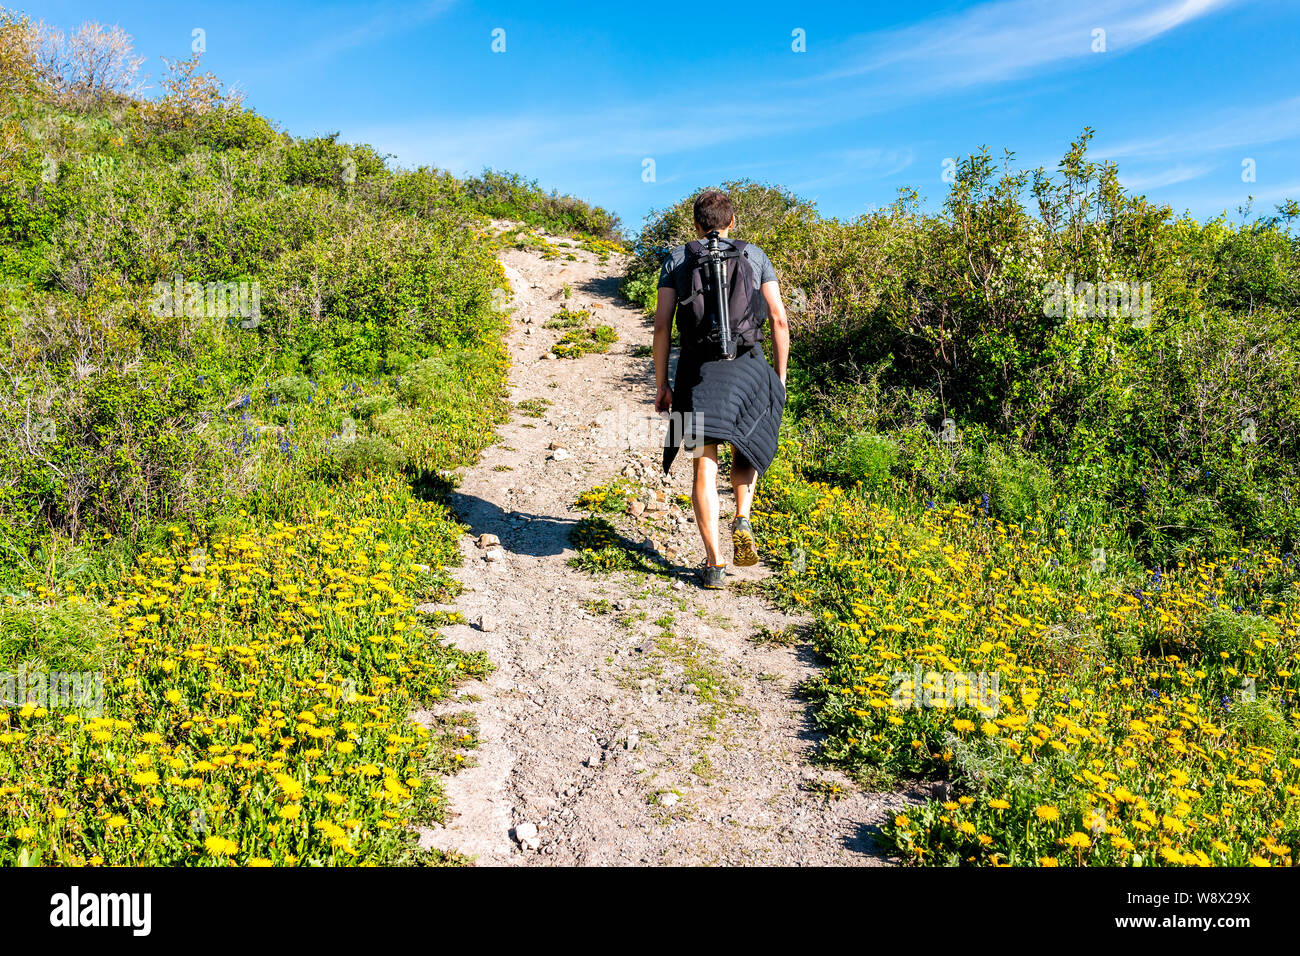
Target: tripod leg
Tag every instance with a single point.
(724, 317)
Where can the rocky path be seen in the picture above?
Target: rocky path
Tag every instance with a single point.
(632, 718)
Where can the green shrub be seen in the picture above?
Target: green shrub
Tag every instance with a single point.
(329, 164)
(292, 388)
(116, 450)
(1225, 637)
(365, 455)
(374, 407)
(865, 457)
(1018, 485)
(510, 196)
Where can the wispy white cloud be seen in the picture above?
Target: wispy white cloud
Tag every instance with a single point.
(857, 165)
(1013, 38)
(1239, 129)
(877, 72)
(1165, 177)
(625, 132)
(386, 20)
(1263, 201)
(337, 30)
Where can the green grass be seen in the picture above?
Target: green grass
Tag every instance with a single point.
(601, 550)
(564, 319)
(534, 407)
(38, 635)
(578, 342)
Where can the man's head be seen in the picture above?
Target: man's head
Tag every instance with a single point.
(713, 210)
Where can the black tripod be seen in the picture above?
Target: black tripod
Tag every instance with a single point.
(717, 266)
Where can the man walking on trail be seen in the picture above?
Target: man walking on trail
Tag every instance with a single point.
(721, 291)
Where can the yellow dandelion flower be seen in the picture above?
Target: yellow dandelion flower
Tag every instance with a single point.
(293, 790)
(220, 846)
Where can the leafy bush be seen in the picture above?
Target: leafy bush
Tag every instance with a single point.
(864, 457)
(1019, 486)
(510, 196)
(291, 388)
(365, 455)
(329, 164)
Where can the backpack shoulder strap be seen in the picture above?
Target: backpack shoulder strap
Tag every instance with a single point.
(731, 248)
(685, 294)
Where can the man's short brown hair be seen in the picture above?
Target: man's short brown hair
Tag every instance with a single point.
(713, 210)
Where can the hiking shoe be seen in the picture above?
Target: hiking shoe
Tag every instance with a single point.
(713, 578)
(742, 543)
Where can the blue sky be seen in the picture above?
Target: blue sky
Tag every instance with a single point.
(1183, 94)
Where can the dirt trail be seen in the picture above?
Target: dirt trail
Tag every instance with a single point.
(630, 719)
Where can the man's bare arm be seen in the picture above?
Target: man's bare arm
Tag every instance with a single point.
(780, 327)
(664, 307)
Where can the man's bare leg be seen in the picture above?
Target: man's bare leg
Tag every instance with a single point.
(742, 482)
(742, 535)
(704, 498)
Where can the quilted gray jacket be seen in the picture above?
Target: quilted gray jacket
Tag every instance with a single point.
(738, 401)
